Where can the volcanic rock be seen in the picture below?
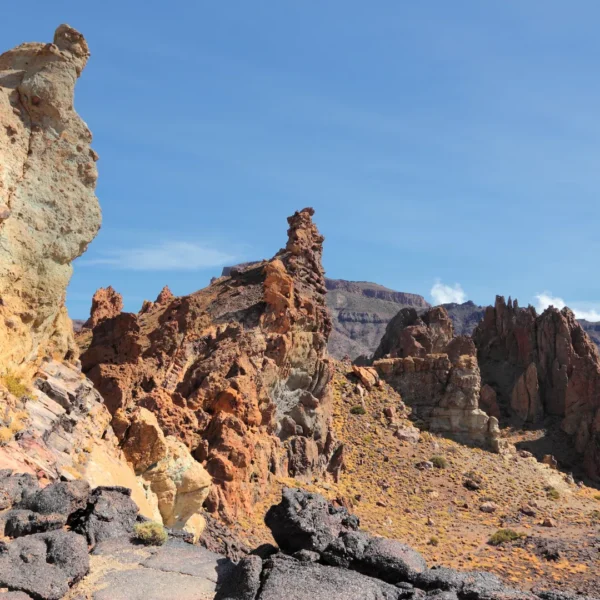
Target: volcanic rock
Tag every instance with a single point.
(45, 564)
(436, 374)
(229, 369)
(304, 521)
(48, 210)
(106, 304)
(109, 513)
(543, 365)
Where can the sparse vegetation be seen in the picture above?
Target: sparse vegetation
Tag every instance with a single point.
(434, 541)
(14, 422)
(439, 462)
(595, 516)
(503, 536)
(14, 385)
(358, 410)
(150, 533)
(552, 493)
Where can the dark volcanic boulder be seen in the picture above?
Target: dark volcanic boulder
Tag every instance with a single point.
(109, 513)
(64, 497)
(305, 521)
(45, 564)
(16, 488)
(26, 522)
(284, 578)
(471, 585)
(388, 560)
(244, 582)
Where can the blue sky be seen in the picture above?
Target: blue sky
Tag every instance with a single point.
(456, 142)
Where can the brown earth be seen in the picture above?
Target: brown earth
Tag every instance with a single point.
(434, 512)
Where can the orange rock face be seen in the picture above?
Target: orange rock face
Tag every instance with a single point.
(238, 371)
(106, 304)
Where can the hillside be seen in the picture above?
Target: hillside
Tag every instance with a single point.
(360, 312)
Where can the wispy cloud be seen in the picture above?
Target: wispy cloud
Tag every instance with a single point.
(546, 299)
(443, 294)
(164, 256)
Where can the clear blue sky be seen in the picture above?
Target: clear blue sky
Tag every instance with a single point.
(457, 141)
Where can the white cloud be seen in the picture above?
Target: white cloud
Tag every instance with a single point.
(546, 299)
(443, 294)
(165, 256)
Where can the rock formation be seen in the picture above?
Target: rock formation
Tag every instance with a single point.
(436, 374)
(323, 554)
(106, 304)
(48, 210)
(543, 365)
(237, 371)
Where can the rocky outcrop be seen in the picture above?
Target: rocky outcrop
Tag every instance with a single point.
(322, 559)
(411, 334)
(48, 210)
(164, 463)
(543, 365)
(106, 304)
(436, 374)
(237, 371)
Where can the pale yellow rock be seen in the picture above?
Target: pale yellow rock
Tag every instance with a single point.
(180, 483)
(48, 210)
(104, 469)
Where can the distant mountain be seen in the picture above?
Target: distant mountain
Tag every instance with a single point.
(464, 316)
(360, 311)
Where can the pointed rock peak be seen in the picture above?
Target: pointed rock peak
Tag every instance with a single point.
(106, 304)
(166, 295)
(303, 235)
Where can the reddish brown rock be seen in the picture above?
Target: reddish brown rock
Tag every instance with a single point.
(238, 371)
(409, 334)
(436, 374)
(525, 398)
(488, 401)
(106, 304)
(543, 365)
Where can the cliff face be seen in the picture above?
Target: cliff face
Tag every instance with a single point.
(238, 371)
(436, 374)
(360, 312)
(48, 210)
(543, 365)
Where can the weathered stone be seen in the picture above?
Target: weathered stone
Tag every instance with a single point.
(45, 564)
(305, 521)
(238, 371)
(388, 560)
(26, 522)
(59, 498)
(47, 185)
(543, 365)
(110, 512)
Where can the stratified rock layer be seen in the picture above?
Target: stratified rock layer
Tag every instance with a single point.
(48, 210)
(238, 371)
(543, 365)
(436, 374)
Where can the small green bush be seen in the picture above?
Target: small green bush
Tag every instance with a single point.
(439, 462)
(14, 385)
(502, 536)
(595, 516)
(597, 497)
(150, 533)
(358, 410)
(552, 493)
(434, 541)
